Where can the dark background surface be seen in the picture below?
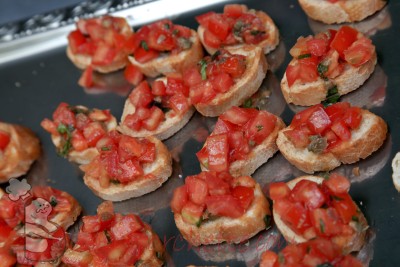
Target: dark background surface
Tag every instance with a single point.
(32, 88)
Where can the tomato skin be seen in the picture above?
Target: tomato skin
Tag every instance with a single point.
(319, 121)
(309, 194)
(75, 40)
(222, 82)
(143, 56)
(278, 190)
(299, 137)
(234, 10)
(158, 88)
(154, 120)
(64, 115)
(260, 127)
(325, 221)
(341, 130)
(269, 259)
(238, 116)
(345, 207)
(217, 148)
(133, 75)
(337, 110)
(234, 65)
(224, 205)
(93, 132)
(192, 76)
(352, 118)
(244, 194)
(344, 38)
(337, 184)
(317, 47)
(128, 224)
(191, 213)
(141, 96)
(197, 190)
(4, 140)
(218, 27)
(359, 52)
(211, 40)
(179, 199)
(6, 258)
(203, 19)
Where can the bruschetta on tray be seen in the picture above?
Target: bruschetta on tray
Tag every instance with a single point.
(75, 131)
(237, 27)
(127, 167)
(339, 11)
(315, 252)
(164, 47)
(327, 65)
(158, 110)
(225, 79)
(19, 148)
(310, 207)
(242, 140)
(114, 239)
(213, 207)
(321, 139)
(103, 43)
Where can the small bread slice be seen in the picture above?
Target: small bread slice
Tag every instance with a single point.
(307, 94)
(22, 150)
(173, 122)
(266, 45)
(230, 230)
(342, 10)
(365, 140)
(167, 63)
(396, 171)
(243, 87)
(348, 244)
(159, 170)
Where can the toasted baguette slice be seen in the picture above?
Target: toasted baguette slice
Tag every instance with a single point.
(167, 63)
(257, 156)
(266, 45)
(348, 244)
(396, 171)
(159, 170)
(365, 140)
(226, 229)
(243, 88)
(173, 122)
(307, 94)
(22, 150)
(342, 10)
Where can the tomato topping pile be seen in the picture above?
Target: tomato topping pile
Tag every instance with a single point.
(236, 25)
(120, 160)
(133, 75)
(235, 134)
(12, 218)
(316, 252)
(316, 210)
(214, 75)
(326, 54)
(4, 140)
(109, 239)
(160, 37)
(151, 104)
(80, 128)
(104, 39)
(320, 129)
(211, 194)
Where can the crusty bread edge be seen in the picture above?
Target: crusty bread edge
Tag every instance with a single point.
(396, 171)
(353, 243)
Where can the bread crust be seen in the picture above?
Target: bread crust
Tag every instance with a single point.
(20, 153)
(67, 218)
(308, 94)
(348, 244)
(160, 169)
(365, 140)
(226, 229)
(165, 64)
(243, 88)
(341, 11)
(257, 156)
(266, 45)
(149, 256)
(396, 171)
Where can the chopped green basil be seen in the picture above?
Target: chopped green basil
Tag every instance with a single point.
(281, 258)
(322, 226)
(326, 264)
(332, 96)
(355, 218)
(175, 32)
(322, 69)
(166, 26)
(198, 223)
(66, 140)
(259, 127)
(304, 56)
(203, 68)
(325, 175)
(256, 32)
(53, 201)
(144, 45)
(113, 181)
(62, 128)
(248, 103)
(318, 144)
(336, 198)
(105, 148)
(107, 234)
(267, 220)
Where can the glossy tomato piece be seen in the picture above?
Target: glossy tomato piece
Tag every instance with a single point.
(279, 190)
(154, 120)
(86, 79)
(64, 115)
(260, 127)
(218, 27)
(129, 148)
(359, 52)
(224, 205)
(223, 126)
(79, 143)
(239, 146)
(352, 118)
(222, 82)
(216, 185)
(133, 75)
(104, 55)
(294, 253)
(176, 85)
(192, 76)
(142, 55)
(344, 38)
(192, 213)
(148, 151)
(349, 261)
(345, 207)
(202, 156)
(125, 226)
(326, 222)
(179, 103)
(128, 171)
(269, 259)
(141, 96)
(319, 121)
(303, 116)
(75, 40)
(93, 132)
(293, 213)
(234, 65)
(6, 258)
(234, 10)
(4, 140)
(115, 252)
(244, 194)
(211, 39)
(308, 193)
(238, 116)
(158, 88)
(317, 47)
(179, 199)
(160, 40)
(217, 149)
(299, 136)
(341, 130)
(337, 184)
(203, 19)
(197, 189)
(337, 111)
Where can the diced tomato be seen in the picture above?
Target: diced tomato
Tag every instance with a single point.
(75, 40)
(92, 224)
(325, 221)
(305, 70)
(269, 259)
(49, 126)
(86, 79)
(124, 227)
(234, 65)
(319, 121)
(129, 148)
(129, 170)
(141, 96)
(216, 185)
(260, 127)
(64, 115)
(192, 76)
(293, 253)
(156, 117)
(292, 73)
(341, 130)
(299, 137)
(148, 151)
(349, 261)
(238, 116)
(336, 111)
(293, 213)
(114, 252)
(203, 19)
(179, 199)
(359, 52)
(345, 207)
(352, 118)
(238, 145)
(160, 40)
(179, 103)
(304, 115)
(222, 82)
(132, 74)
(197, 189)
(317, 47)
(224, 205)
(93, 132)
(175, 85)
(211, 40)
(104, 55)
(218, 27)
(142, 56)
(217, 148)
(279, 190)
(6, 258)
(234, 10)
(78, 141)
(191, 213)
(337, 184)
(158, 88)
(4, 140)
(344, 38)
(244, 194)
(309, 194)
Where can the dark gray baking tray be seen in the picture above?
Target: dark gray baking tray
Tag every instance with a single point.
(32, 87)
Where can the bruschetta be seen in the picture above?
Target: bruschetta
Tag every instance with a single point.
(339, 11)
(127, 167)
(214, 207)
(309, 207)
(237, 27)
(328, 65)
(75, 131)
(315, 252)
(321, 139)
(164, 47)
(114, 239)
(51, 210)
(242, 140)
(225, 79)
(103, 43)
(19, 148)
(396, 171)
(160, 110)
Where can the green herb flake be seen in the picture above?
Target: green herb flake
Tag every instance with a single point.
(326, 264)
(105, 148)
(166, 26)
(62, 128)
(332, 96)
(325, 175)
(281, 258)
(267, 221)
(256, 32)
(66, 140)
(107, 234)
(175, 32)
(259, 127)
(113, 181)
(203, 68)
(215, 55)
(53, 201)
(308, 249)
(355, 218)
(322, 226)
(160, 255)
(303, 56)
(144, 45)
(337, 198)
(322, 69)
(198, 223)
(248, 103)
